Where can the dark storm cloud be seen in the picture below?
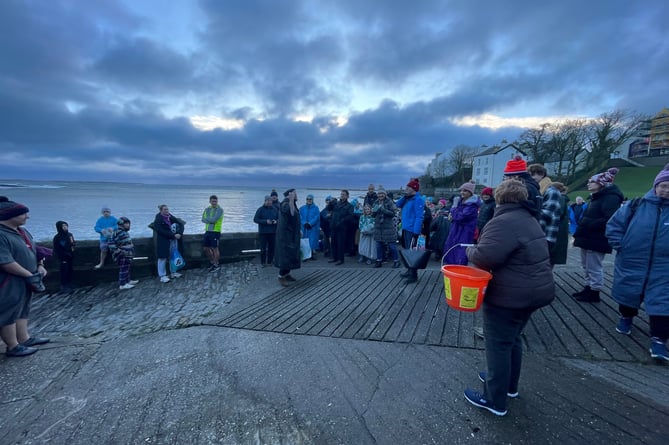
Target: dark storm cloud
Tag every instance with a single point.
(85, 85)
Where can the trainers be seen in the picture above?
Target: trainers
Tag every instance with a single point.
(478, 331)
(34, 341)
(283, 281)
(97, 266)
(126, 286)
(658, 349)
(20, 351)
(289, 278)
(396, 264)
(483, 375)
(212, 268)
(164, 279)
(624, 325)
(377, 264)
(133, 282)
(175, 275)
(477, 399)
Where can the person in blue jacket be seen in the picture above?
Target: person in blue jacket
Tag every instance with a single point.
(310, 219)
(576, 212)
(412, 205)
(639, 232)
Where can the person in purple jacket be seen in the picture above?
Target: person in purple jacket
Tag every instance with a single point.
(463, 216)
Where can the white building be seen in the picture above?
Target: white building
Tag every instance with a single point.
(488, 166)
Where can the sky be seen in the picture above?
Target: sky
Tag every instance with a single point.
(306, 92)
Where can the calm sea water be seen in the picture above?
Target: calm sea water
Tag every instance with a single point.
(79, 204)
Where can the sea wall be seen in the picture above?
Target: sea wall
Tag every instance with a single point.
(233, 247)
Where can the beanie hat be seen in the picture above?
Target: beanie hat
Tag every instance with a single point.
(515, 166)
(274, 193)
(267, 197)
(662, 176)
(287, 192)
(414, 184)
(310, 196)
(10, 209)
(380, 190)
(122, 220)
(487, 191)
(469, 186)
(606, 178)
(105, 209)
(442, 202)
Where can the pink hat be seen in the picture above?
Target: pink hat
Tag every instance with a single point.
(605, 178)
(487, 191)
(469, 186)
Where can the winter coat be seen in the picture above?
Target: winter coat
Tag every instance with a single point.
(310, 219)
(641, 271)
(439, 232)
(576, 212)
(342, 217)
(385, 230)
(486, 211)
(590, 233)
(412, 212)
(164, 234)
(287, 254)
(464, 217)
(121, 245)
(551, 212)
(63, 243)
(514, 249)
(263, 214)
(559, 249)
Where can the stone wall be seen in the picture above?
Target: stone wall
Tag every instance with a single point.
(233, 247)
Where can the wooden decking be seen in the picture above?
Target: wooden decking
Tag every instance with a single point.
(376, 305)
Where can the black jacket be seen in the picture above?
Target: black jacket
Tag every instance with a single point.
(591, 230)
(263, 214)
(342, 216)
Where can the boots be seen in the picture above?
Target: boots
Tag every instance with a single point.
(591, 296)
(585, 290)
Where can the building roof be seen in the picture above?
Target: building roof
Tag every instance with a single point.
(497, 148)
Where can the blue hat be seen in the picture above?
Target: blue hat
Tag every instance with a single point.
(310, 196)
(328, 198)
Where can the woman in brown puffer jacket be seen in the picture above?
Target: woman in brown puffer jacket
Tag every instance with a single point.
(513, 247)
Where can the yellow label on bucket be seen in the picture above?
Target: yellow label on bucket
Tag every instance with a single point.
(447, 288)
(468, 297)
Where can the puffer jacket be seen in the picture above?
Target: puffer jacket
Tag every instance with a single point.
(590, 233)
(641, 241)
(385, 229)
(514, 249)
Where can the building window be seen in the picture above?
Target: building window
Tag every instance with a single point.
(478, 172)
(485, 171)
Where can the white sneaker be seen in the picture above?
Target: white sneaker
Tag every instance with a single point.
(164, 279)
(97, 266)
(175, 275)
(133, 282)
(126, 286)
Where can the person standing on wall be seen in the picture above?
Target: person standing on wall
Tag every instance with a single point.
(212, 217)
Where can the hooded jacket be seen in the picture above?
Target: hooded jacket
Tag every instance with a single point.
(63, 243)
(641, 241)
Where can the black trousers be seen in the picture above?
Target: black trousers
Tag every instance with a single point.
(267, 243)
(339, 244)
(66, 271)
(659, 324)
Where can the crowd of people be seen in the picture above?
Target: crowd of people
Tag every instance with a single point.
(517, 231)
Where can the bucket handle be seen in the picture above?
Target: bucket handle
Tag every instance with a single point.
(453, 247)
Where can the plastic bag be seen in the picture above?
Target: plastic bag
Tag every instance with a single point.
(176, 260)
(305, 249)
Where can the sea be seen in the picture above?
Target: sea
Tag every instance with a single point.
(80, 203)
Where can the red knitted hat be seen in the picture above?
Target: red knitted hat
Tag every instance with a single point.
(515, 166)
(487, 191)
(414, 184)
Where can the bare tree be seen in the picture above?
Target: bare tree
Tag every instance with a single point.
(564, 145)
(460, 160)
(533, 141)
(608, 131)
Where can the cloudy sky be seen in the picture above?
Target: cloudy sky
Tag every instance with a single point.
(306, 92)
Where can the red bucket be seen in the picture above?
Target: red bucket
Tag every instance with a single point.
(464, 286)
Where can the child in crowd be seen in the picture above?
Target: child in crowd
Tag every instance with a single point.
(63, 246)
(366, 246)
(122, 252)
